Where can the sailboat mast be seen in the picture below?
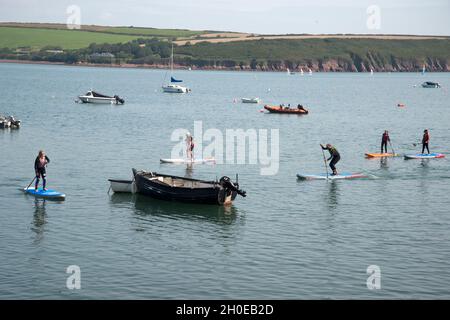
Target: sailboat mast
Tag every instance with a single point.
(171, 61)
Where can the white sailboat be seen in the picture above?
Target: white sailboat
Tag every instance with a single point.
(310, 72)
(423, 70)
(371, 71)
(301, 71)
(172, 87)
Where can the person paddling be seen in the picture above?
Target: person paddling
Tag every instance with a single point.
(334, 157)
(39, 167)
(384, 141)
(425, 141)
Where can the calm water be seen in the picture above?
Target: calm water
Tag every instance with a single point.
(287, 239)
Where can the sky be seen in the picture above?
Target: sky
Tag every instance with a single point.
(427, 17)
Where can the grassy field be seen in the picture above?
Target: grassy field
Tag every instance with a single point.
(149, 32)
(132, 31)
(67, 39)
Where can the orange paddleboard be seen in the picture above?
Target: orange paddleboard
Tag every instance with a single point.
(380, 155)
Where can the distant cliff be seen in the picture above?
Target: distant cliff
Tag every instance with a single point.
(326, 55)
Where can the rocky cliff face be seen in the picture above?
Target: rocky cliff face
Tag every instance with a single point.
(359, 65)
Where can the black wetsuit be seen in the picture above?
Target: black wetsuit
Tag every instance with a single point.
(384, 141)
(40, 172)
(334, 157)
(425, 141)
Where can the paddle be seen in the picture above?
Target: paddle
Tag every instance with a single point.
(393, 151)
(31, 183)
(325, 161)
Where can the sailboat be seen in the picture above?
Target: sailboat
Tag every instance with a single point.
(423, 70)
(172, 87)
(301, 71)
(310, 72)
(371, 71)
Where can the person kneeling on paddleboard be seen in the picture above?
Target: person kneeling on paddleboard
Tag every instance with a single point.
(334, 157)
(39, 167)
(425, 141)
(384, 141)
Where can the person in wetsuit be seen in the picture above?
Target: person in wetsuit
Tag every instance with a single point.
(190, 146)
(384, 141)
(39, 167)
(425, 141)
(334, 157)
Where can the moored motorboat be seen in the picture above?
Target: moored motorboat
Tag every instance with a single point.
(250, 100)
(175, 88)
(95, 97)
(173, 188)
(288, 110)
(429, 84)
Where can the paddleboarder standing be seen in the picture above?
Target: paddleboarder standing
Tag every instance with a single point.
(425, 141)
(334, 157)
(39, 167)
(384, 141)
(190, 146)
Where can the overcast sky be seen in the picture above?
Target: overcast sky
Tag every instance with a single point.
(257, 16)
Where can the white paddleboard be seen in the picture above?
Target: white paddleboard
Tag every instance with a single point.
(424, 156)
(323, 176)
(188, 161)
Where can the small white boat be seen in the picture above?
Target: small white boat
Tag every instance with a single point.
(301, 71)
(175, 88)
(429, 84)
(310, 72)
(122, 186)
(250, 100)
(4, 123)
(95, 97)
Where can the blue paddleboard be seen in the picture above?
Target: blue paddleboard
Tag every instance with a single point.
(323, 176)
(424, 156)
(48, 194)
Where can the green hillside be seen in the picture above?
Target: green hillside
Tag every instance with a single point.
(12, 37)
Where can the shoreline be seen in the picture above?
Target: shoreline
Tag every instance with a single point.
(193, 68)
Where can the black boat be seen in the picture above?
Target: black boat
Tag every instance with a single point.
(173, 188)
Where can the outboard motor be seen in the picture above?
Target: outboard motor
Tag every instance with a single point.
(226, 183)
(119, 100)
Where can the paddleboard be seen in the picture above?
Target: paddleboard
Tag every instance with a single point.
(380, 155)
(187, 161)
(424, 156)
(323, 176)
(48, 194)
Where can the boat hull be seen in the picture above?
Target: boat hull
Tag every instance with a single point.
(285, 111)
(122, 186)
(174, 89)
(211, 193)
(85, 99)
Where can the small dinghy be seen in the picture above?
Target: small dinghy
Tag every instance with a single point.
(250, 100)
(47, 194)
(122, 186)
